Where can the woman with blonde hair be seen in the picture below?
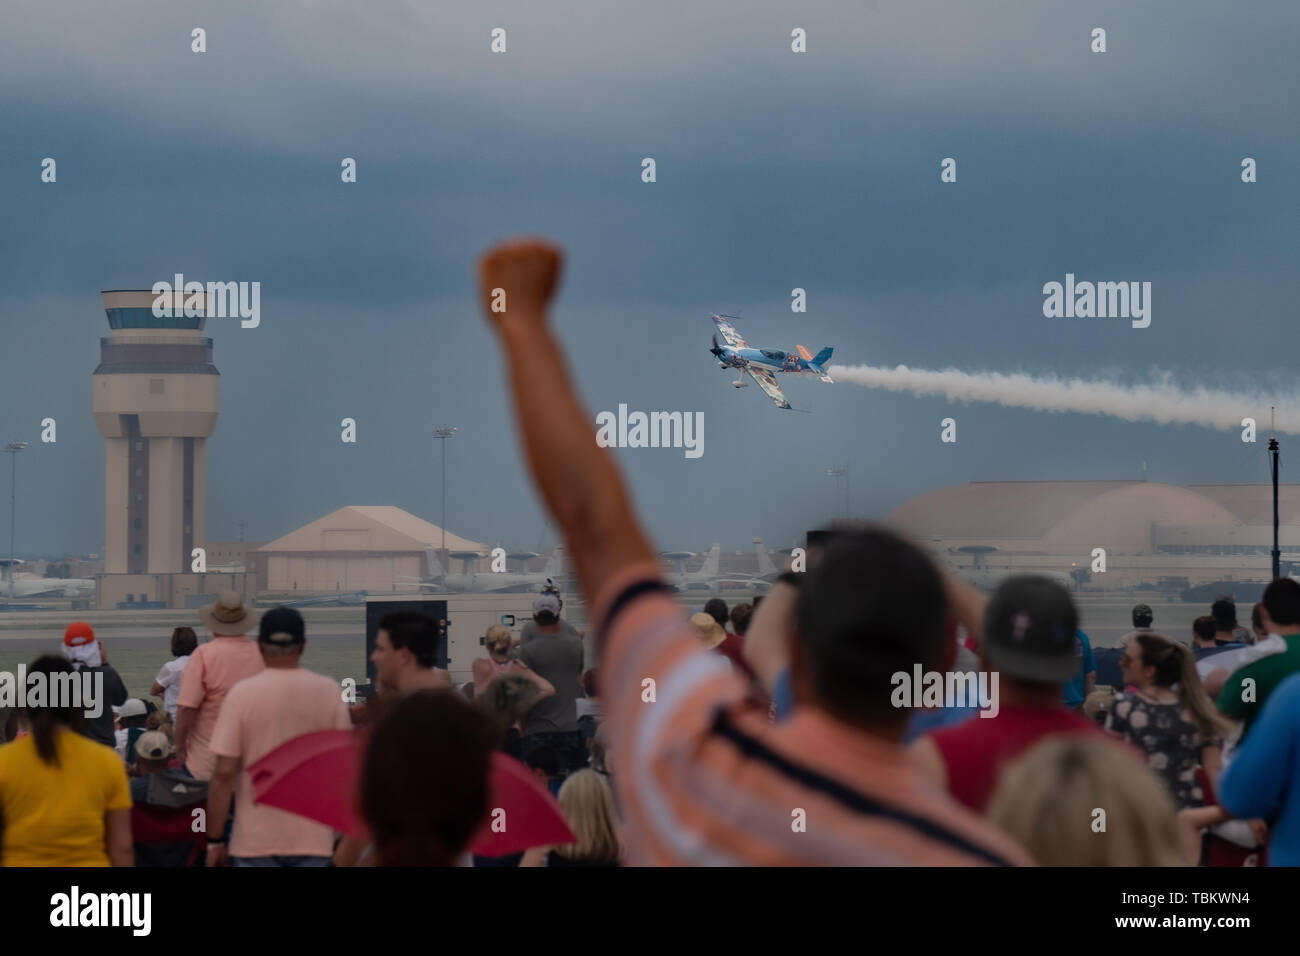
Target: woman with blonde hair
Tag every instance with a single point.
(588, 806)
(1079, 801)
(1168, 716)
(498, 642)
(506, 689)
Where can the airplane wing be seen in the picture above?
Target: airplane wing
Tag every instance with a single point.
(767, 382)
(729, 333)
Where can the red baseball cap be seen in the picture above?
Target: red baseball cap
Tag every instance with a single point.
(78, 633)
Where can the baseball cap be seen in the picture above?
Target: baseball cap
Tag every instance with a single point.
(547, 602)
(153, 745)
(134, 707)
(1142, 616)
(1030, 631)
(281, 625)
(78, 633)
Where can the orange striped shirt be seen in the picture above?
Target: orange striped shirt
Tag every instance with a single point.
(705, 779)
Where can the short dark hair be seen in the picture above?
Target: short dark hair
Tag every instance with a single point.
(544, 758)
(716, 608)
(1205, 627)
(546, 618)
(184, 641)
(740, 615)
(873, 606)
(424, 778)
(415, 631)
(1256, 621)
(1142, 616)
(1282, 601)
(1224, 611)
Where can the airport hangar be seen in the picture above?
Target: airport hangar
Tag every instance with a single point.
(1153, 533)
(375, 548)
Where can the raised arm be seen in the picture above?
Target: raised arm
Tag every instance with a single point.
(767, 642)
(967, 605)
(545, 688)
(578, 480)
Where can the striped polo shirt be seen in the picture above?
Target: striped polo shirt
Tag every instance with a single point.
(704, 778)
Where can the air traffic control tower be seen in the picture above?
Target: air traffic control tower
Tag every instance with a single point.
(156, 399)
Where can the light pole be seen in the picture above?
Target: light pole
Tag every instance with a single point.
(842, 473)
(444, 432)
(1273, 449)
(13, 448)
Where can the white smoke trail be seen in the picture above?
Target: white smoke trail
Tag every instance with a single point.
(1162, 401)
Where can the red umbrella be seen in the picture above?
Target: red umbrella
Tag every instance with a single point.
(522, 812)
(315, 776)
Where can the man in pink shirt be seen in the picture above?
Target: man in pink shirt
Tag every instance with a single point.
(260, 713)
(209, 674)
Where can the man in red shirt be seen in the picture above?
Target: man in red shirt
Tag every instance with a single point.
(1025, 632)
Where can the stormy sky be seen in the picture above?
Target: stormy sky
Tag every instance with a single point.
(775, 170)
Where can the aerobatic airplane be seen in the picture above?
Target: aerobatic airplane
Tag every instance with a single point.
(762, 364)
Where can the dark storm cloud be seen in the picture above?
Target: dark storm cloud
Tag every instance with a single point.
(774, 171)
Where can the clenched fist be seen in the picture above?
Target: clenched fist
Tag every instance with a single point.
(519, 277)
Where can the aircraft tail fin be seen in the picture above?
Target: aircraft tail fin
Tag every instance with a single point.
(433, 567)
(555, 565)
(710, 568)
(765, 566)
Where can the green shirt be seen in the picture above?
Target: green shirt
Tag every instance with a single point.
(1267, 673)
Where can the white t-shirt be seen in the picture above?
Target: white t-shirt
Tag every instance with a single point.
(170, 679)
(1238, 658)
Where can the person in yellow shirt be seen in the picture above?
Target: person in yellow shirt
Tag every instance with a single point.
(64, 799)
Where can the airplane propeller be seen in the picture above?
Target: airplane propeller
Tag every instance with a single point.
(716, 350)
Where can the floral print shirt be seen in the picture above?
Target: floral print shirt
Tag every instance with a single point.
(1169, 737)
